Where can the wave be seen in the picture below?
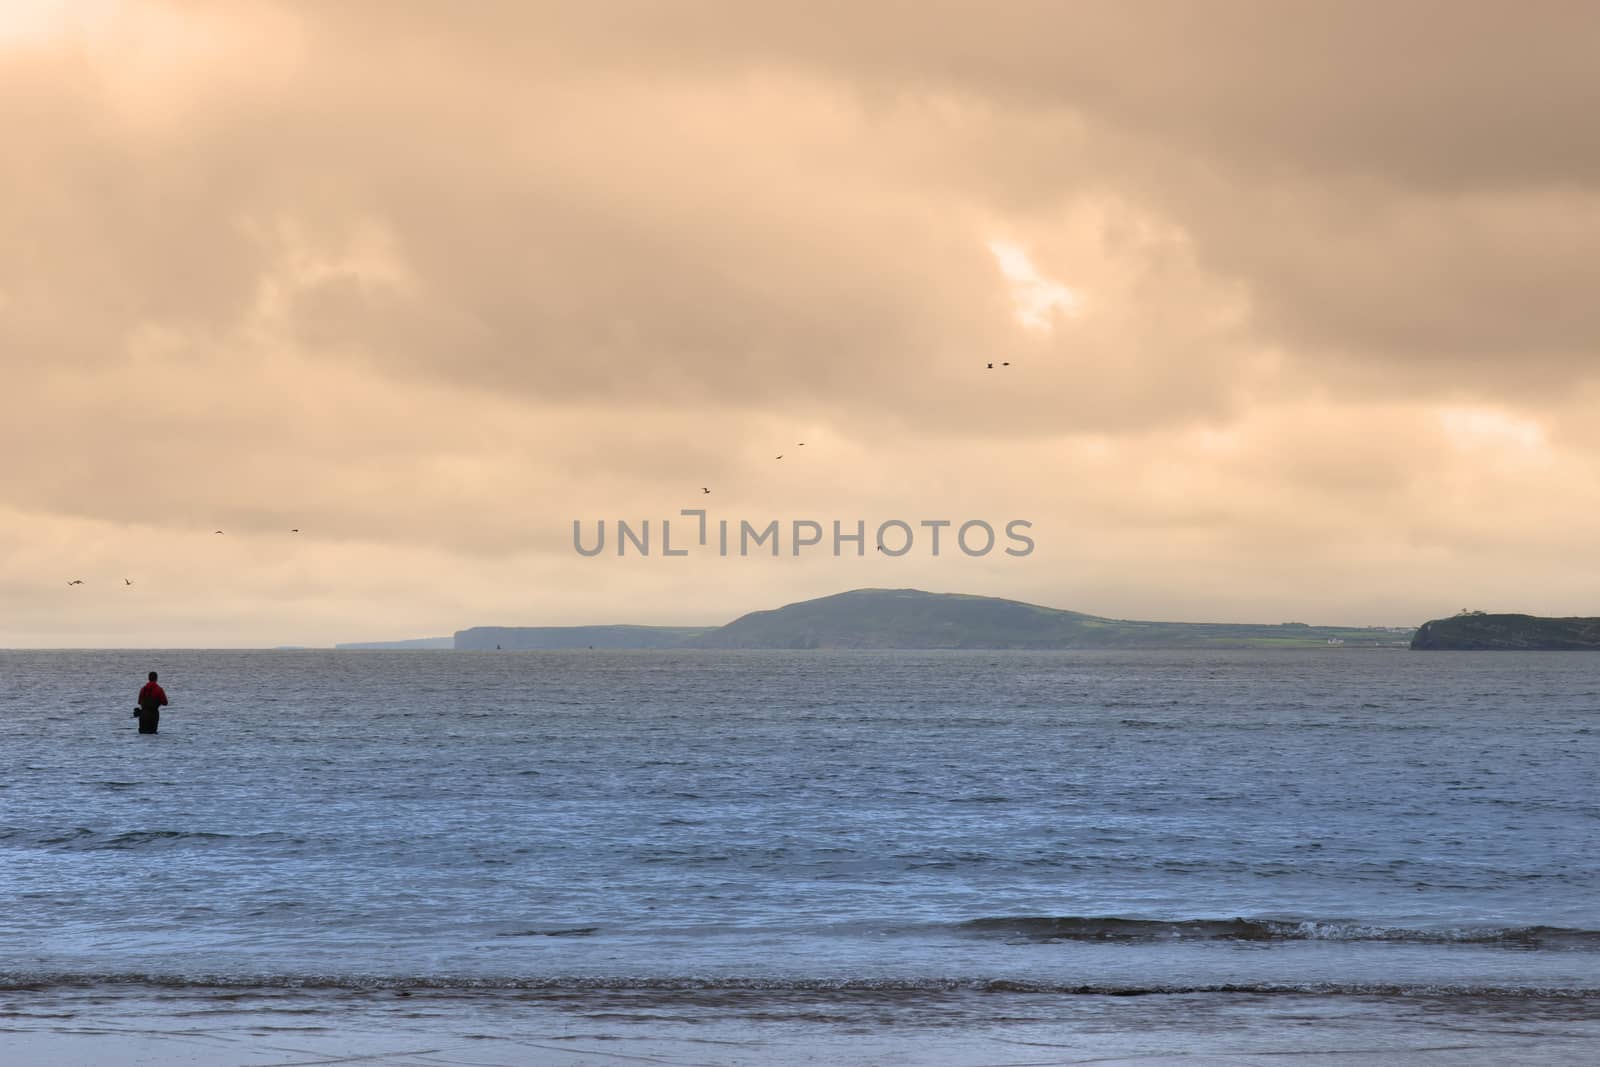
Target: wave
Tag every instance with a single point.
(86, 839)
(1080, 928)
(566, 931)
(577, 985)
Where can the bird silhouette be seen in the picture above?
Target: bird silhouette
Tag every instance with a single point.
(295, 530)
(802, 444)
(127, 581)
(780, 455)
(219, 531)
(703, 489)
(76, 581)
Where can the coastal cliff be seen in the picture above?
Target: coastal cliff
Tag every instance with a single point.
(1480, 632)
(913, 619)
(556, 638)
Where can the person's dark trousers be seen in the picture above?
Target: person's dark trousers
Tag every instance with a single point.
(148, 721)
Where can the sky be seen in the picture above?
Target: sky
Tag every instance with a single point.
(1299, 306)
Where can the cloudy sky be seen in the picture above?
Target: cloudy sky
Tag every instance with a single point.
(1300, 305)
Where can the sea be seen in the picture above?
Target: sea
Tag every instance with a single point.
(1336, 856)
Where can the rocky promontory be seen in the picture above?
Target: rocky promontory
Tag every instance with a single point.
(1477, 631)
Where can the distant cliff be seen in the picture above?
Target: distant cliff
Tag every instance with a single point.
(398, 646)
(1476, 631)
(913, 619)
(547, 638)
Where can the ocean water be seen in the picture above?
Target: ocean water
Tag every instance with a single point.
(734, 857)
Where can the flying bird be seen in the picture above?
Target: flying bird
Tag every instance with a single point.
(76, 581)
(989, 365)
(127, 581)
(295, 530)
(703, 489)
(219, 531)
(802, 444)
(780, 455)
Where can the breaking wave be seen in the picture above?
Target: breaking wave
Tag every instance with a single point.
(579, 985)
(1079, 928)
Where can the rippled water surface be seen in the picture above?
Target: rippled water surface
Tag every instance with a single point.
(1340, 823)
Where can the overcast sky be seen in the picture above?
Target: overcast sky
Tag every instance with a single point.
(1300, 304)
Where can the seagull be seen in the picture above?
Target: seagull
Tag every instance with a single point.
(989, 365)
(127, 581)
(219, 531)
(703, 489)
(802, 444)
(76, 581)
(780, 455)
(295, 530)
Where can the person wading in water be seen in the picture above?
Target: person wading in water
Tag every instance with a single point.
(152, 698)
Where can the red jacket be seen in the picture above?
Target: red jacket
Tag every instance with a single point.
(152, 696)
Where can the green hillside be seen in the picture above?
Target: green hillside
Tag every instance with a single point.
(911, 618)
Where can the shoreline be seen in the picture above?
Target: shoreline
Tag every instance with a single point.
(126, 1026)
